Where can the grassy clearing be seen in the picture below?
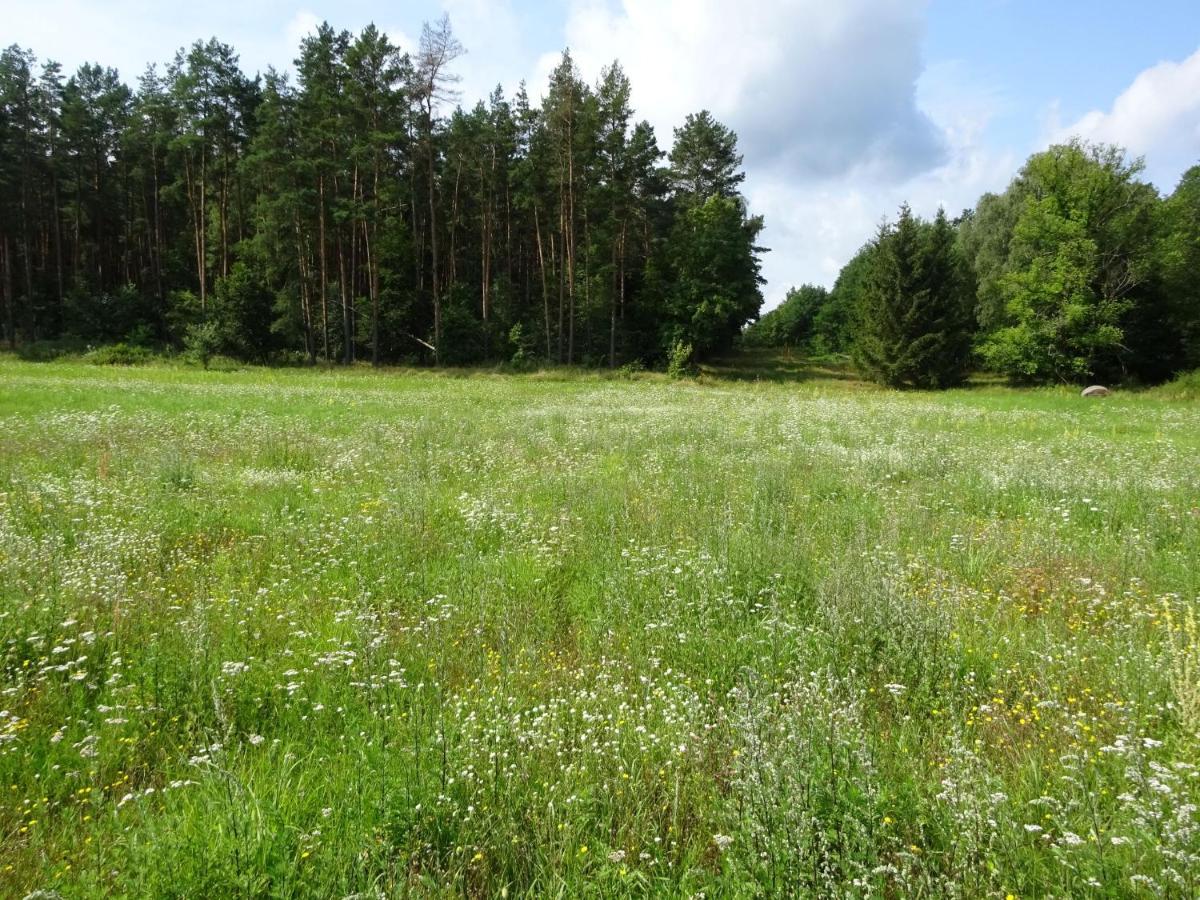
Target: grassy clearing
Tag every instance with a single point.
(287, 633)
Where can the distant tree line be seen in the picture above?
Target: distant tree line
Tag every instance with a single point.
(1079, 271)
(350, 215)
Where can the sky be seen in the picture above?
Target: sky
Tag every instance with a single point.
(844, 109)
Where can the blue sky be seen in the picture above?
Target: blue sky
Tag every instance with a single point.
(845, 109)
(1069, 55)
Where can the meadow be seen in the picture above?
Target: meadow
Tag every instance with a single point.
(320, 634)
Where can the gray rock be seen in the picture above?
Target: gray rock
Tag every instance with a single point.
(1096, 390)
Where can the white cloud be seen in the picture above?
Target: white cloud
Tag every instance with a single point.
(1157, 116)
(302, 24)
(812, 87)
(836, 121)
(815, 229)
(492, 35)
(839, 117)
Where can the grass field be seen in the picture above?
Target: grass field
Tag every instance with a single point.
(318, 634)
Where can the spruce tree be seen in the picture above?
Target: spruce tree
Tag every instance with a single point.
(912, 317)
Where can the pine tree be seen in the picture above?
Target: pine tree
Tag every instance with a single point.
(712, 268)
(355, 209)
(705, 161)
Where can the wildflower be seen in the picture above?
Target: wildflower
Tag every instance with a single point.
(723, 841)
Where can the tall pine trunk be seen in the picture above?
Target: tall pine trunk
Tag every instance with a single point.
(157, 254)
(570, 237)
(433, 242)
(542, 268)
(10, 317)
(324, 263)
(310, 347)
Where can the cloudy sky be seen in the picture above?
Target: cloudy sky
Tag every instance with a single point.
(844, 109)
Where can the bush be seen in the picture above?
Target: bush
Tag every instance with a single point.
(119, 355)
(202, 341)
(631, 369)
(524, 354)
(679, 361)
(141, 335)
(46, 351)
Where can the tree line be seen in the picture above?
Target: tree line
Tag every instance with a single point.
(360, 212)
(1079, 271)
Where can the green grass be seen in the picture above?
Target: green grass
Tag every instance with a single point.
(318, 634)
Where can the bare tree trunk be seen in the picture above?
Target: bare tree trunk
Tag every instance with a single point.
(485, 254)
(488, 215)
(76, 249)
(612, 312)
(347, 290)
(418, 243)
(373, 265)
(131, 244)
(438, 49)
(58, 258)
(158, 279)
(305, 301)
(27, 258)
(10, 327)
(372, 287)
(345, 294)
(542, 266)
(452, 278)
(433, 244)
(570, 237)
(561, 297)
(622, 271)
(202, 238)
(224, 215)
(323, 286)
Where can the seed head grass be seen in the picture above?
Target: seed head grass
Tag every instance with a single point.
(284, 633)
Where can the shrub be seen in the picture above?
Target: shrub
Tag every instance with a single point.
(141, 335)
(202, 341)
(679, 361)
(45, 351)
(631, 369)
(523, 356)
(119, 355)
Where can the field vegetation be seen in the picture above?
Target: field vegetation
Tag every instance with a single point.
(315, 633)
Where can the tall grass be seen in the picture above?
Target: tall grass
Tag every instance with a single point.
(328, 634)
